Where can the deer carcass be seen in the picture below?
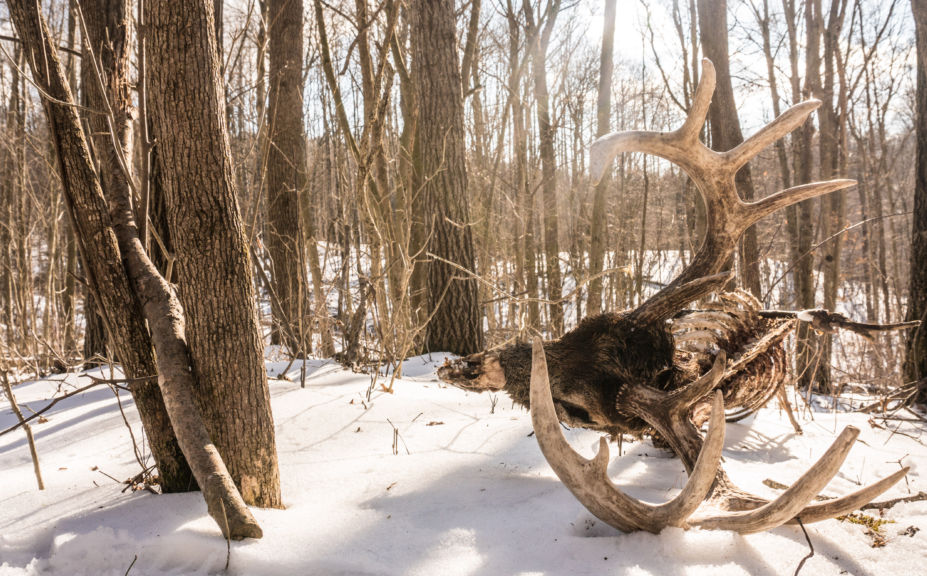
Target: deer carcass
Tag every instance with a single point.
(636, 371)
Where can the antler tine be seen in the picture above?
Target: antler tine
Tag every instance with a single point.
(588, 479)
(699, 109)
(703, 475)
(673, 146)
(846, 504)
(677, 146)
(791, 502)
(669, 300)
(758, 210)
(778, 128)
(691, 393)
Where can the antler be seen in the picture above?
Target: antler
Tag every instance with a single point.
(588, 479)
(713, 173)
(589, 482)
(668, 412)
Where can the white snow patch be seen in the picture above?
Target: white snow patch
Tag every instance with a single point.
(469, 492)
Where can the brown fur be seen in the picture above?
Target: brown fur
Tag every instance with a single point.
(589, 366)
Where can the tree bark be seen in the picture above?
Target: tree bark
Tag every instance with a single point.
(119, 238)
(525, 263)
(806, 353)
(763, 21)
(603, 111)
(116, 310)
(6, 238)
(916, 359)
(538, 37)
(286, 170)
(213, 263)
(831, 147)
(453, 296)
(725, 125)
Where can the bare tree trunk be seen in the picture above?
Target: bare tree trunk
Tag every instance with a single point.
(88, 212)
(800, 265)
(916, 359)
(453, 296)
(725, 125)
(19, 269)
(603, 112)
(6, 231)
(410, 177)
(807, 357)
(538, 37)
(526, 275)
(213, 263)
(831, 149)
(89, 219)
(286, 169)
(763, 20)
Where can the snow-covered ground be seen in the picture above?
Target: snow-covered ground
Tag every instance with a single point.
(468, 492)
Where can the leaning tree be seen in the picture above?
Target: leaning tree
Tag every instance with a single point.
(117, 263)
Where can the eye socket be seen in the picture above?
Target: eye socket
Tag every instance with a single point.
(576, 414)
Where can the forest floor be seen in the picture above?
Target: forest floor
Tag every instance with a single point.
(428, 480)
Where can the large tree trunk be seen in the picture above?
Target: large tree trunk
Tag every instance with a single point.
(114, 236)
(603, 111)
(213, 265)
(286, 171)
(90, 220)
(916, 361)
(453, 296)
(725, 125)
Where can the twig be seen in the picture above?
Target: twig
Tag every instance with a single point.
(139, 479)
(397, 438)
(63, 48)
(129, 569)
(23, 422)
(919, 497)
(907, 390)
(810, 545)
(228, 536)
(49, 406)
(114, 381)
(41, 91)
(808, 252)
(828, 322)
(110, 477)
(125, 420)
(503, 295)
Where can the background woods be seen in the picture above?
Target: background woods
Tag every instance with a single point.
(374, 180)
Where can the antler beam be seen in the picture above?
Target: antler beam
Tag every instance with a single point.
(588, 479)
(713, 174)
